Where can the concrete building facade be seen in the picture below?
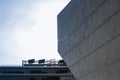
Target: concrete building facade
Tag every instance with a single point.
(89, 38)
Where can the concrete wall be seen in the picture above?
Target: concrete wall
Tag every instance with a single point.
(67, 78)
(89, 38)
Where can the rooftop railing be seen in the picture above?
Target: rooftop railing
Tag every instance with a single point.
(43, 62)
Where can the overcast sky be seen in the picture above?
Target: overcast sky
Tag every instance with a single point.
(28, 30)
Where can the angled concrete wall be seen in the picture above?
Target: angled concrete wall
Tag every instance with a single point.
(89, 38)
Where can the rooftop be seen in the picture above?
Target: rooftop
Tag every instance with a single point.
(43, 63)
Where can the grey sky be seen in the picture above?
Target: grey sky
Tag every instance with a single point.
(28, 29)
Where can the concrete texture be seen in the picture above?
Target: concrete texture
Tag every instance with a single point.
(89, 38)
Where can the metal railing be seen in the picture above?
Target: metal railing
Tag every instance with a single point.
(43, 62)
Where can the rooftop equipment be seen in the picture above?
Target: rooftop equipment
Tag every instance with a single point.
(31, 61)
